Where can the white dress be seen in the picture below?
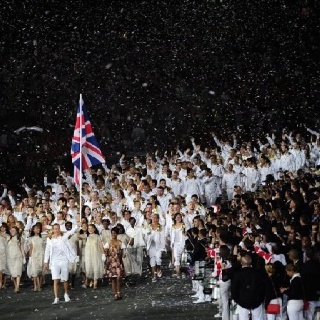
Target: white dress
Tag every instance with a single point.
(82, 247)
(35, 263)
(93, 257)
(3, 253)
(73, 266)
(14, 257)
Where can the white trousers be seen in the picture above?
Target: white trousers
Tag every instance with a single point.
(295, 309)
(177, 253)
(310, 312)
(155, 257)
(257, 313)
(224, 299)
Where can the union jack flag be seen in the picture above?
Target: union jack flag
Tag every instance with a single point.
(88, 148)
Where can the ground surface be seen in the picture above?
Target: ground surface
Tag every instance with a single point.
(169, 298)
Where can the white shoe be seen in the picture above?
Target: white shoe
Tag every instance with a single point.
(66, 297)
(154, 279)
(215, 301)
(195, 295)
(218, 315)
(200, 300)
(84, 286)
(159, 274)
(56, 301)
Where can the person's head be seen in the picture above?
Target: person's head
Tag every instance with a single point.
(155, 218)
(36, 230)
(60, 216)
(146, 187)
(84, 227)
(92, 229)
(113, 217)
(137, 204)
(11, 220)
(197, 222)
(126, 215)
(202, 233)
(132, 222)
(190, 173)
(305, 242)
(293, 255)
(191, 205)
(4, 228)
(121, 229)
(105, 223)
(56, 229)
(269, 267)
(68, 225)
(177, 217)
(224, 252)
(14, 231)
(163, 183)
(246, 261)
(160, 191)
(195, 198)
(114, 233)
(291, 270)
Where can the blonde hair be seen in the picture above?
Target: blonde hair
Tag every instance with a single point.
(269, 267)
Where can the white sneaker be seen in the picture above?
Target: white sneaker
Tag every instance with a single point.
(154, 279)
(84, 286)
(200, 300)
(66, 297)
(56, 301)
(218, 315)
(159, 274)
(195, 295)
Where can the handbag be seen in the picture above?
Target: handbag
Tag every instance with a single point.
(273, 308)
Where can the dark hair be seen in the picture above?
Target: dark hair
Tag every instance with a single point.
(175, 216)
(84, 232)
(121, 229)
(5, 225)
(95, 228)
(18, 234)
(224, 252)
(115, 229)
(83, 210)
(291, 267)
(32, 234)
(193, 230)
(203, 232)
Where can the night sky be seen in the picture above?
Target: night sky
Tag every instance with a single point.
(173, 68)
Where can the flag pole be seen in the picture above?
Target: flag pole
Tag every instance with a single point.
(80, 175)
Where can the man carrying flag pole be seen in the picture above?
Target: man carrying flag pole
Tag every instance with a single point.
(85, 150)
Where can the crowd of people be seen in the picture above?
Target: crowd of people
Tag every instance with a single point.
(249, 212)
(152, 74)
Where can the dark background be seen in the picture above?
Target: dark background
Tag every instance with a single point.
(152, 73)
